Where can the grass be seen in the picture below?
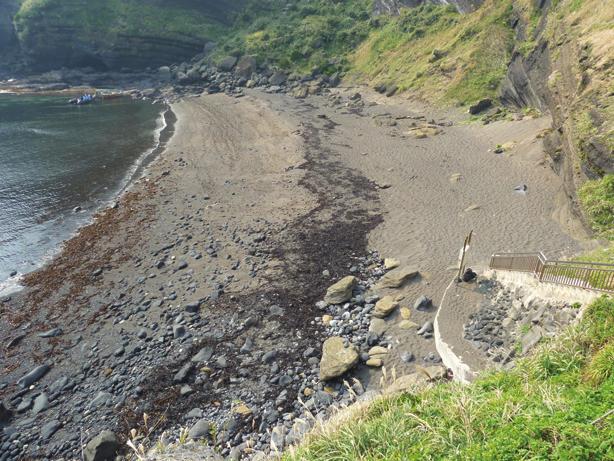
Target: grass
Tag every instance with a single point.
(299, 36)
(597, 199)
(543, 409)
(474, 51)
(600, 255)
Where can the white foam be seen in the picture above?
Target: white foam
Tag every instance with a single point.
(11, 285)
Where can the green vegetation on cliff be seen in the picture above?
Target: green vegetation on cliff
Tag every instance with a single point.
(547, 408)
(440, 54)
(597, 198)
(300, 36)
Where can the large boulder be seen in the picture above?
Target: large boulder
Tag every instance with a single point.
(278, 78)
(336, 358)
(397, 277)
(246, 66)
(227, 63)
(340, 291)
(103, 447)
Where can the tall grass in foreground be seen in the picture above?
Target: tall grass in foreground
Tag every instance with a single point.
(547, 408)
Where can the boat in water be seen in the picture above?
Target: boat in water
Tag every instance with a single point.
(82, 100)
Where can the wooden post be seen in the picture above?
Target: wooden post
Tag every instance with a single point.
(466, 244)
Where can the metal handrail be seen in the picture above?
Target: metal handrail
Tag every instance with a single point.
(589, 275)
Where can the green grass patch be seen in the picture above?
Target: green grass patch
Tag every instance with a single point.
(597, 199)
(298, 36)
(543, 409)
(443, 55)
(600, 255)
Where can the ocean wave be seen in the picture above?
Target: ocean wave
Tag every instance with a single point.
(11, 285)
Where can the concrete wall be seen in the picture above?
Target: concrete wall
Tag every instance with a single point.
(532, 288)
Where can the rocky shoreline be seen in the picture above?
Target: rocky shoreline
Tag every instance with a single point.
(169, 83)
(200, 299)
(89, 381)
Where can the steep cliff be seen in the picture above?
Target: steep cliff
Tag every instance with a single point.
(563, 65)
(8, 39)
(107, 34)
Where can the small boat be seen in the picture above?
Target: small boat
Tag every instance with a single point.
(82, 100)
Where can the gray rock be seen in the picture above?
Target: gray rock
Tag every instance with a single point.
(102, 398)
(178, 331)
(50, 428)
(278, 436)
(51, 333)
(246, 66)
(186, 390)
(278, 78)
(5, 413)
(203, 355)
(24, 405)
(182, 375)
(193, 307)
(41, 403)
(58, 385)
(200, 430)
(33, 376)
(103, 447)
(426, 328)
(310, 352)
(194, 413)
(269, 357)
(422, 303)
(247, 346)
(531, 338)
(227, 63)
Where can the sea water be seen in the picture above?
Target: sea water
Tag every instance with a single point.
(61, 163)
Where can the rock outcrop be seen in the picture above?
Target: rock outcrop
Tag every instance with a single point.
(393, 7)
(105, 36)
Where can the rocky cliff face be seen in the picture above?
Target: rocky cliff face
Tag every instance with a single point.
(113, 35)
(8, 39)
(393, 7)
(567, 73)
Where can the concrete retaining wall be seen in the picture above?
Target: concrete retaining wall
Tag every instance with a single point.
(462, 371)
(533, 288)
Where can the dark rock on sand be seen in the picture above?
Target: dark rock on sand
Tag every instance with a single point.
(480, 106)
(103, 447)
(33, 376)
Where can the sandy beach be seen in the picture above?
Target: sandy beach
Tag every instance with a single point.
(232, 236)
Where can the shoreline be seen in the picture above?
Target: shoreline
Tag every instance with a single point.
(162, 135)
(228, 244)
